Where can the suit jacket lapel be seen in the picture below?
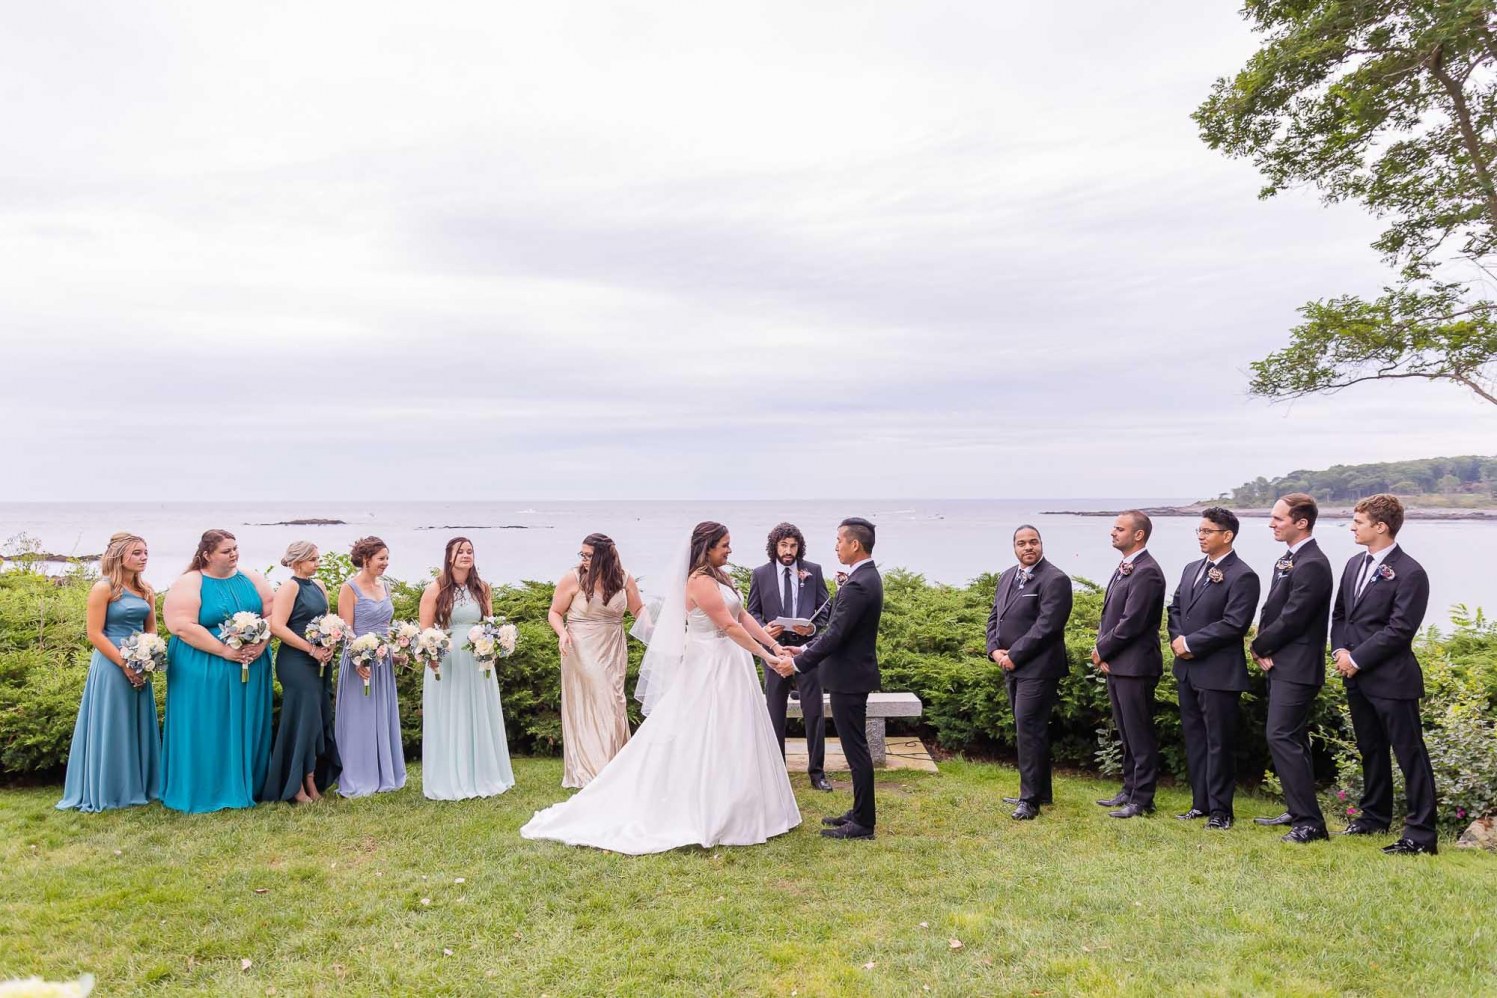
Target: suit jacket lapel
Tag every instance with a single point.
(1195, 590)
(775, 579)
(1006, 590)
(1388, 561)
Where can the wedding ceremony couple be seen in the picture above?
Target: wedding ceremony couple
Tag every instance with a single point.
(707, 766)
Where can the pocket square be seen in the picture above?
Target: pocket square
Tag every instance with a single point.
(1028, 595)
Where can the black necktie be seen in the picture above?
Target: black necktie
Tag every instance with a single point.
(1205, 571)
(785, 606)
(1365, 574)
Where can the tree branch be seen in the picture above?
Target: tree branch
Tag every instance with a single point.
(1472, 142)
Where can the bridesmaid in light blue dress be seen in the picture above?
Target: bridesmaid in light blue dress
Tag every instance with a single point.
(464, 752)
(216, 738)
(115, 760)
(367, 728)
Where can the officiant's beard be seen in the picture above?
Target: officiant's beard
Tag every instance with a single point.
(789, 559)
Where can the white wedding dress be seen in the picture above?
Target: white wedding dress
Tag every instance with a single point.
(703, 769)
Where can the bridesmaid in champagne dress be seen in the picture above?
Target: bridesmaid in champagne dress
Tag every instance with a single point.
(367, 728)
(594, 658)
(115, 760)
(464, 752)
(216, 738)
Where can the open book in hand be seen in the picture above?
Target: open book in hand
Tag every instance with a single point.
(791, 623)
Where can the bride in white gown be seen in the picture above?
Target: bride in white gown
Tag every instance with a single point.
(704, 768)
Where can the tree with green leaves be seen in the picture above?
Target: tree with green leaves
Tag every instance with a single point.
(1393, 104)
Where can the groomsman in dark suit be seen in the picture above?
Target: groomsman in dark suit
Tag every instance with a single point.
(1290, 648)
(1027, 638)
(1127, 652)
(790, 587)
(1209, 616)
(846, 653)
(1377, 613)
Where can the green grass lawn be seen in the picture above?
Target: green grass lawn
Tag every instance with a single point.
(364, 897)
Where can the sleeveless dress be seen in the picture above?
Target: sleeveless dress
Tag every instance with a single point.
(464, 752)
(367, 729)
(304, 741)
(216, 737)
(594, 714)
(703, 769)
(115, 760)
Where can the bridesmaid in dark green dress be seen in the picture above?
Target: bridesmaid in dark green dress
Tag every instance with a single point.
(305, 760)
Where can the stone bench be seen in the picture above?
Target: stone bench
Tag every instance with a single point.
(881, 707)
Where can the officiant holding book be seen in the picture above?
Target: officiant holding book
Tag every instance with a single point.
(789, 588)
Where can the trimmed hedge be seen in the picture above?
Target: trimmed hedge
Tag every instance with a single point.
(932, 643)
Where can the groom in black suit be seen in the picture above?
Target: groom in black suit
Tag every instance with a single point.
(1027, 638)
(790, 587)
(846, 654)
(1374, 621)
(1208, 618)
(1290, 649)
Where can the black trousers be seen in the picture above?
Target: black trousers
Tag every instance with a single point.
(1032, 701)
(1133, 714)
(777, 695)
(1289, 706)
(850, 714)
(1382, 724)
(1209, 720)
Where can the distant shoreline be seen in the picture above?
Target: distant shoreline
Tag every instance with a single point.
(1337, 512)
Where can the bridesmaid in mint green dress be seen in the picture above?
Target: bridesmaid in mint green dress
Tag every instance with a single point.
(464, 752)
(115, 760)
(216, 741)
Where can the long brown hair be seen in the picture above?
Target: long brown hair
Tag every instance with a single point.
(112, 567)
(703, 539)
(447, 585)
(604, 568)
(209, 543)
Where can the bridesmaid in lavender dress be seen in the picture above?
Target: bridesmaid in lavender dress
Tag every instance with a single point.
(367, 728)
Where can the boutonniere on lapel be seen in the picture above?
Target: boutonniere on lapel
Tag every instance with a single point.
(1125, 569)
(1384, 572)
(1283, 565)
(1024, 578)
(1214, 574)
(803, 575)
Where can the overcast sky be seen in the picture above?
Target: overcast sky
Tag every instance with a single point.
(696, 250)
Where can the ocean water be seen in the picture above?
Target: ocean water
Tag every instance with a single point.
(946, 540)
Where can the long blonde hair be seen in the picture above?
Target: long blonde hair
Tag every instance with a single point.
(112, 567)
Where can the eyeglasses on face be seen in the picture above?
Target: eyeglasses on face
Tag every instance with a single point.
(1208, 531)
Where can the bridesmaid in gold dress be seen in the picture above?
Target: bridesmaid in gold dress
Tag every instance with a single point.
(594, 658)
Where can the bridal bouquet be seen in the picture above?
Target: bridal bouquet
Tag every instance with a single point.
(367, 649)
(428, 648)
(402, 637)
(242, 629)
(491, 639)
(325, 632)
(144, 653)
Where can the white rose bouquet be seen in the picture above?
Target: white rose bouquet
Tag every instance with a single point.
(429, 647)
(402, 637)
(144, 653)
(325, 632)
(491, 639)
(367, 649)
(242, 630)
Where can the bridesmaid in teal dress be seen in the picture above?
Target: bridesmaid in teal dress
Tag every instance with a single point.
(304, 761)
(115, 760)
(464, 752)
(368, 727)
(216, 740)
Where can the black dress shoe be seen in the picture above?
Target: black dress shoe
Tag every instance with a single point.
(848, 830)
(1192, 814)
(838, 821)
(1019, 800)
(820, 783)
(1408, 847)
(1219, 822)
(1117, 800)
(1283, 819)
(1025, 811)
(1304, 834)
(1130, 811)
(1365, 828)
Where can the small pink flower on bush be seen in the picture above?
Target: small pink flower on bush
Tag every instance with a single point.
(1341, 795)
(1460, 812)
(1351, 811)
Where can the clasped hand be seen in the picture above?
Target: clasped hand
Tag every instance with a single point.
(246, 654)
